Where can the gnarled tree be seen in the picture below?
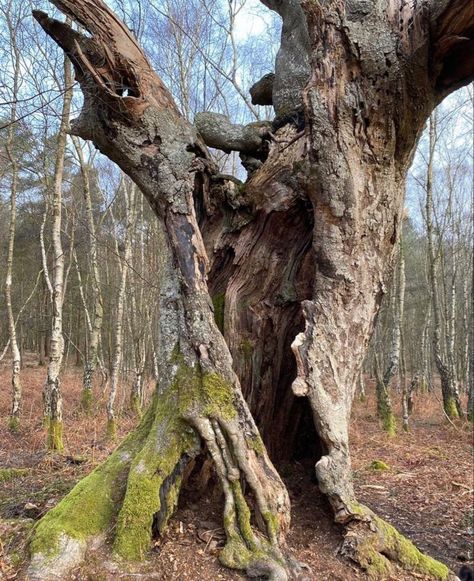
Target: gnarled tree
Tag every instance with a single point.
(296, 258)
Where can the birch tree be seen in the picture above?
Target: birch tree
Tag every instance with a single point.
(52, 397)
(451, 400)
(12, 19)
(130, 217)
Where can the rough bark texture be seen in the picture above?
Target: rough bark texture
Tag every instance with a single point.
(315, 225)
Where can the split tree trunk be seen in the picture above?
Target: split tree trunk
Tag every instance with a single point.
(317, 222)
(198, 400)
(52, 397)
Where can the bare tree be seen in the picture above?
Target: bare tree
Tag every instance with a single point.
(52, 391)
(12, 20)
(130, 217)
(451, 400)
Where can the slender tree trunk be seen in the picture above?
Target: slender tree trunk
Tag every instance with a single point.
(14, 421)
(470, 401)
(451, 401)
(384, 402)
(95, 330)
(52, 390)
(130, 212)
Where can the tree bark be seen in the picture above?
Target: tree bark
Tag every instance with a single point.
(198, 399)
(95, 321)
(52, 398)
(316, 224)
(451, 400)
(130, 217)
(14, 420)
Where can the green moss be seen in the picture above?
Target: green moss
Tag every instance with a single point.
(243, 516)
(218, 301)
(256, 443)
(219, 396)
(167, 441)
(379, 465)
(93, 503)
(386, 544)
(235, 554)
(86, 401)
(136, 405)
(14, 425)
(273, 525)
(450, 408)
(385, 412)
(111, 430)
(86, 511)
(55, 435)
(7, 474)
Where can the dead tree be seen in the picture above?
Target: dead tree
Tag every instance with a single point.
(302, 250)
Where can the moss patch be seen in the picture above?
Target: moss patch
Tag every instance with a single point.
(218, 301)
(165, 444)
(86, 401)
(55, 436)
(14, 425)
(450, 408)
(379, 465)
(218, 395)
(92, 504)
(256, 443)
(386, 544)
(7, 474)
(111, 430)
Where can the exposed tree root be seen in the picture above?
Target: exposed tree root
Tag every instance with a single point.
(375, 545)
(135, 491)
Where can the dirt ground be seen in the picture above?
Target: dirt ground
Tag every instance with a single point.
(426, 491)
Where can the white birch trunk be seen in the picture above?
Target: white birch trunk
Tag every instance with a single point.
(15, 351)
(118, 329)
(52, 390)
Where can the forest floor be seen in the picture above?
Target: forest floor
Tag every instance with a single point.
(426, 491)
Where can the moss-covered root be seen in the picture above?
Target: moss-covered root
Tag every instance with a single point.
(87, 513)
(153, 486)
(7, 474)
(375, 545)
(54, 440)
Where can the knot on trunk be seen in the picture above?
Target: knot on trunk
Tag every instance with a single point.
(262, 91)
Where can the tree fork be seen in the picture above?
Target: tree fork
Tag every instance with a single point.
(145, 135)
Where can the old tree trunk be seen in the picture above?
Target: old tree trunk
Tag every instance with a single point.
(295, 259)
